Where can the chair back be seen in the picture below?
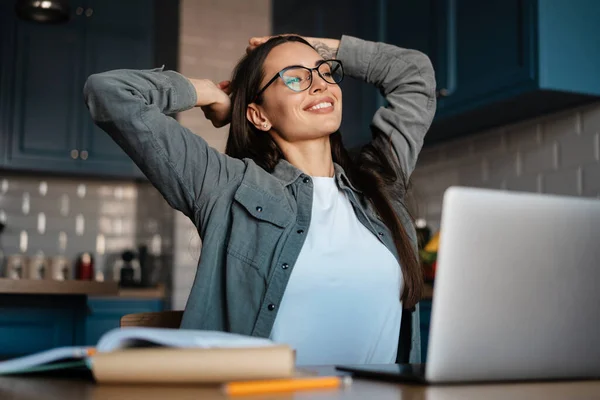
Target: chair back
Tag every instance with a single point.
(162, 319)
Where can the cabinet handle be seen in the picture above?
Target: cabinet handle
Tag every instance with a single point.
(74, 154)
(443, 93)
(89, 12)
(79, 11)
(84, 154)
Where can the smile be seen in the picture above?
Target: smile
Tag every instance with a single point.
(325, 105)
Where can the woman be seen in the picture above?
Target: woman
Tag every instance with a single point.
(301, 243)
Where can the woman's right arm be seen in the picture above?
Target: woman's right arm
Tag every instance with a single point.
(133, 107)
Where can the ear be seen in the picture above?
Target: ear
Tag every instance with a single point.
(257, 117)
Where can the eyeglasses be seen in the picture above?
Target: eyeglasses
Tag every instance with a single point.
(300, 78)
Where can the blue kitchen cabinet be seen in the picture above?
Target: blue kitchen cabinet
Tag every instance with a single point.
(5, 73)
(499, 61)
(105, 314)
(496, 61)
(30, 324)
(118, 35)
(45, 95)
(425, 318)
(332, 19)
(45, 123)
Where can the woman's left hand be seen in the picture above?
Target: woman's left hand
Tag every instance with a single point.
(254, 42)
(327, 48)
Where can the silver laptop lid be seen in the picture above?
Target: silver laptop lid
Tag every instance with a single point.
(517, 291)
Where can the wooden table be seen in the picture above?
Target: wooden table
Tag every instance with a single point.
(21, 388)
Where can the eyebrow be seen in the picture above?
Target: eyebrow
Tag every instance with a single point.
(318, 61)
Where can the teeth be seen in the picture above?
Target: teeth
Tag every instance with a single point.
(321, 105)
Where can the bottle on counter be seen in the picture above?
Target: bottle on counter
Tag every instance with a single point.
(84, 267)
(37, 267)
(16, 266)
(60, 269)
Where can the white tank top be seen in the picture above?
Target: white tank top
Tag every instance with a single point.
(342, 302)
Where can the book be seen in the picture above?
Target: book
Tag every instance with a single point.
(161, 355)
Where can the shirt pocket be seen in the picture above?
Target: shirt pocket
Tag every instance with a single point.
(258, 224)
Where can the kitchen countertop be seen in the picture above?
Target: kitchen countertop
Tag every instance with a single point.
(156, 292)
(73, 287)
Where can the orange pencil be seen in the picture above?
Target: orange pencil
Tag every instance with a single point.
(285, 385)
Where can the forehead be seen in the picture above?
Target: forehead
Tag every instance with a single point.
(291, 53)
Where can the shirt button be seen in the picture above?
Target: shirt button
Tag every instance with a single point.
(259, 208)
(271, 307)
(285, 266)
(300, 231)
(380, 234)
(306, 180)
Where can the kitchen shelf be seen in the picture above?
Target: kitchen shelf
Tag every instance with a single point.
(74, 287)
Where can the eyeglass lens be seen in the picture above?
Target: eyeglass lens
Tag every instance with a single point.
(300, 78)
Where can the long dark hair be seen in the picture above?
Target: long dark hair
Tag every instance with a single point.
(373, 171)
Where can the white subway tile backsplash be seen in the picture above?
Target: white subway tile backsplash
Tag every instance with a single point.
(524, 136)
(490, 142)
(563, 124)
(430, 156)
(591, 179)
(462, 148)
(541, 159)
(575, 150)
(590, 116)
(502, 166)
(563, 182)
(497, 183)
(65, 216)
(472, 173)
(558, 154)
(526, 183)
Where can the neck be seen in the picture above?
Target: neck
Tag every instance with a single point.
(313, 157)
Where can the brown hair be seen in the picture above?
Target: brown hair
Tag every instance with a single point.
(373, 171)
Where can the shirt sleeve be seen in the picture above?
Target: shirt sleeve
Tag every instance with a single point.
(407, 81)
(134, 108)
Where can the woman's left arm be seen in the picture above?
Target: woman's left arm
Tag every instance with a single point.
(407, 80)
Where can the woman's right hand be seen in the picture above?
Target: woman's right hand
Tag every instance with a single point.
(214, 100)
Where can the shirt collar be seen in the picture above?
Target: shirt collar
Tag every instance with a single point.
(287, 174)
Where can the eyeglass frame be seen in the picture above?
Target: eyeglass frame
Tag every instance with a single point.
(315, 68)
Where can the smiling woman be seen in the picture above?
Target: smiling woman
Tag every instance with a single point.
(301, 242)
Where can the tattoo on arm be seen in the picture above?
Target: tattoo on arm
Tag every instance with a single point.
(325, 51)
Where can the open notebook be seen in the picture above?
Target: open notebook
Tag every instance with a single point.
(138, 355)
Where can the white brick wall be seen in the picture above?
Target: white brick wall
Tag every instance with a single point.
(213, 37)
(557, 154)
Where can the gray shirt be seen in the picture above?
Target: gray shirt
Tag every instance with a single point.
(252, 223)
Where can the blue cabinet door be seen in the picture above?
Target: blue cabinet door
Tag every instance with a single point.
(44, 123)
(425, 317)
(118, 35)
(30, 324)
(487, 51)
(6, 73)
(479, 49)
(105, 314)
(45, 95)
(332, 19)
(412, 24)
(25, 331)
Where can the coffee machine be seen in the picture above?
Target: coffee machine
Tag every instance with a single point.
(127, 270)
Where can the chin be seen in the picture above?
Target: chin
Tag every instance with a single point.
(330, 127)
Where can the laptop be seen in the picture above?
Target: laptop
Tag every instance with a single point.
(517, 291)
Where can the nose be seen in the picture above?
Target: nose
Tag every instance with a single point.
(318, 83)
